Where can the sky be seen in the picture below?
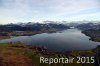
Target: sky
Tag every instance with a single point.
(14, 11)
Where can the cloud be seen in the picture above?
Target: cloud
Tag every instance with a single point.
(47, 9)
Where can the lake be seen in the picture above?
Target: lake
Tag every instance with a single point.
(66, 40)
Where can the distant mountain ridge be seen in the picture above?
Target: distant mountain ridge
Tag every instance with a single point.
(88, 26)
(31, 26)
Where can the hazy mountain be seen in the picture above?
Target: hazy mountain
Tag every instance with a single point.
(31, 26)
(86, 26)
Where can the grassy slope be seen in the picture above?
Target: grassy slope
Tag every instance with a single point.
(3, 37)
(18, 54)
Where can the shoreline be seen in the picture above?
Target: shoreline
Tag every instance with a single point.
(92, 37)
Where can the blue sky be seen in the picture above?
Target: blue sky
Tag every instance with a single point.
(55, 10)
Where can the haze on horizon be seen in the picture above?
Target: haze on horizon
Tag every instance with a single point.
(55, 10)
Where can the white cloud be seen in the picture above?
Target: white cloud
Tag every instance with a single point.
(46, 9)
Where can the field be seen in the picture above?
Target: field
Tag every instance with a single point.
(19, 54)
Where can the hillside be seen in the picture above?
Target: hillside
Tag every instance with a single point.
(19, 54)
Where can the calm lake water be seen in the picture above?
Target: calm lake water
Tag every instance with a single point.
(67, 40)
